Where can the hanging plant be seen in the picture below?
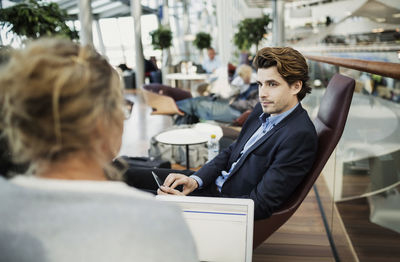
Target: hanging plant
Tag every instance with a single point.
(250, 32)
(202, 40)
(34, 19)
(161, 38)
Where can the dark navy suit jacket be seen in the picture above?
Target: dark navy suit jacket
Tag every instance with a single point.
(272, 168)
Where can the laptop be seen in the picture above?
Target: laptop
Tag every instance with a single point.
(222, 228)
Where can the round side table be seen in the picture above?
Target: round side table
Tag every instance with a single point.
(182, 137)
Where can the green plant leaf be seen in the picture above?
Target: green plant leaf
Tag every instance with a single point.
(202, 40)
(34, 19)
(250, 32)
(161, 38)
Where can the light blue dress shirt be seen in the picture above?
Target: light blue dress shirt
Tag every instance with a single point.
(267, 123)
(211, 65)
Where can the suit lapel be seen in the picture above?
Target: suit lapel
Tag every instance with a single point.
(246, 136)
(253, 147)
(263, 138)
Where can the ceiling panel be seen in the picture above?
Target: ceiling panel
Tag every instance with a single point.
(102, 8)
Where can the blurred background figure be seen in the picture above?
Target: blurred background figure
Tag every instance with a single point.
(151, 70)
(211, 62)
(244, 76)
(62, 111)
(243, 96)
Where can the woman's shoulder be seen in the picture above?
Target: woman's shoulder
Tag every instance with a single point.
(132, 218)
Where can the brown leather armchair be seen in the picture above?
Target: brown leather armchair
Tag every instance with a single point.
(176, 93)
(329, 123)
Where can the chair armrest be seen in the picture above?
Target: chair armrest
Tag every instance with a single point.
(242, 118)
(161, 104)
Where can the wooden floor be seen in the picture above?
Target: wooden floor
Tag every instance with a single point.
(371, 242)
(302, 238)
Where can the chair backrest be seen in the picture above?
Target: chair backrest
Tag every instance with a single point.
(176, 93)
(329, 123)
(161, 104)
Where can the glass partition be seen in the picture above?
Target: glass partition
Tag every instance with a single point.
(359, 187)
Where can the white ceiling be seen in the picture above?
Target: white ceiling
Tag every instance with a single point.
(102, 8)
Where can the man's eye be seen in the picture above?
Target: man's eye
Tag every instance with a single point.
(272, 84)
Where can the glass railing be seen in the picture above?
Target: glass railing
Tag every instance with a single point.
(360, 185)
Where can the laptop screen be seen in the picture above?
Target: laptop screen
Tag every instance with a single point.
(221, 227)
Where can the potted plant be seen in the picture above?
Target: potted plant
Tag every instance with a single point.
(250, 32)
(161, 38)
(201, 42)
(34, 19)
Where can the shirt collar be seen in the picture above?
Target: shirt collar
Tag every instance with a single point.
(274, 120)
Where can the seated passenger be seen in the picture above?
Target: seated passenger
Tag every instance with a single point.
(275, 149)
(244, 96)
(62, 110)
(211, 62)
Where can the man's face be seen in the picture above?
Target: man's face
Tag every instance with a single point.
(275, 94)
(211, 54)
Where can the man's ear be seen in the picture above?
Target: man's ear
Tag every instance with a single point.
(296, 87)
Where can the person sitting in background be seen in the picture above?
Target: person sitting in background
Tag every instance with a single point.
(149, 67)
(244, 77)
(153, 59)
(151, 70)
(62, 110)
(211, 63)
(244, 96)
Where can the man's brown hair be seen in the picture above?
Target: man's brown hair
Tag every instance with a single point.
(290, 64)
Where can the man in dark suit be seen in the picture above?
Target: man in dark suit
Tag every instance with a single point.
(276, 147)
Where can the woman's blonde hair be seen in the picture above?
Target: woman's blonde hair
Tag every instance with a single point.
(54, 94)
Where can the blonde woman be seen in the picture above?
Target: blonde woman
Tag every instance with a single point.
(245, 76)
(62, 112)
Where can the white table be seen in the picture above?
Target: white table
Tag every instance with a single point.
(181, 76)
(197, 134)
(189, 78)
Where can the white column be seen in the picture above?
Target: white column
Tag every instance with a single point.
(165, 18)
(278, 23)
(85, 18)
(136, 12)
(100, 36)
(224, 31)
(120, 40)
(224, 48)
(179, 33)
(166, 53)
(186, 28)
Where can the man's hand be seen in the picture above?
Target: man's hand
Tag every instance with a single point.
(173, 180)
